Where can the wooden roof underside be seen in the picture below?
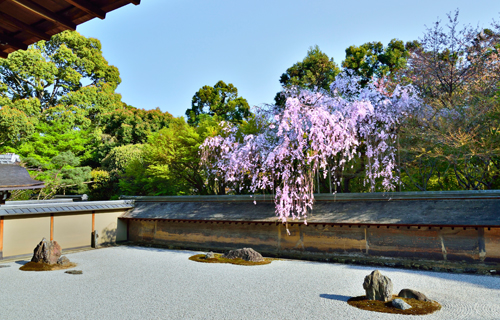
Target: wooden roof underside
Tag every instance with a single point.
(24, 22)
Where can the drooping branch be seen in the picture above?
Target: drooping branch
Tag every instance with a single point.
(315, 131)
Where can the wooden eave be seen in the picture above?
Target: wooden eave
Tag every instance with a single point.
(24, 22)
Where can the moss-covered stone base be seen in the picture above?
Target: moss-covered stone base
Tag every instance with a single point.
(219, 259)
(37, 266)
(417, 307)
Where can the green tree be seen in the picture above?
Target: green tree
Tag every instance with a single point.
(130, 125)
(372, 59)
(172, 157)
(49, 70)
(222, 101)
(106, 178)
(44, 86)
(62, 174)
(53, 101)
(173, 154)
(15, 126)
(453, 142)
(316, 70)
(126, 125)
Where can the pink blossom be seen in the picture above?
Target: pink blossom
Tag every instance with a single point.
(315, 131)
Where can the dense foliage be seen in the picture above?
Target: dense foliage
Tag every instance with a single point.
(329, 130)
(221, 101)
(60, 112)
(316, 71)
(454, 142)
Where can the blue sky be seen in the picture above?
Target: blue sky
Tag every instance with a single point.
(166, 50)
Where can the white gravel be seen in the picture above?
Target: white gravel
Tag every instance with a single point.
(147, 283)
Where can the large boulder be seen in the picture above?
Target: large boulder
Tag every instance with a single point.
(47, 252)
(412, 294)
(247, 254)
(378, 287)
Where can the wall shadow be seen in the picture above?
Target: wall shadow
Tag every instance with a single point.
(490, 282)
(337, 297)
(161, 249)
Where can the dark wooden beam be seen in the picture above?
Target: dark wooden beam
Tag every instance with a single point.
(45, 13)
(5, 18)
(88, 7)
(3, 54)
(136, 2)
(11, 41)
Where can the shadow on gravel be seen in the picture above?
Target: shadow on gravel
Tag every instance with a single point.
(155, 249)
(22, 262)
(338, 297)
(490, 282)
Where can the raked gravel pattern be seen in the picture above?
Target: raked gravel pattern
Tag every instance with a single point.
(148, 283)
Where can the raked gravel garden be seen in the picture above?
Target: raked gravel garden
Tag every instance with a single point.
(147, 283)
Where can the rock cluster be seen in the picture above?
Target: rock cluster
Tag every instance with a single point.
(49, 252)
(247, 254)
(378, 287)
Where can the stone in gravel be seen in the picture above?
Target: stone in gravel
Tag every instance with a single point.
(4, 266)
(400, 304)
(63, 261)
(47, 252)
(378, 287)
(412, 294)
(74, 271)
(210, 255)
(247, 254)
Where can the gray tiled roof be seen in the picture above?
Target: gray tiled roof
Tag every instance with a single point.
(14, 177)
(42, 208)
(440, 209)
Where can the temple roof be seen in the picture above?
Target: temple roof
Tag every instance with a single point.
(15, 177)
(439, 208)
(24, 22)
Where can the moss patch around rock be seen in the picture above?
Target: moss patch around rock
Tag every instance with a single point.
(417, 307)
(219, 259)
(37, 266)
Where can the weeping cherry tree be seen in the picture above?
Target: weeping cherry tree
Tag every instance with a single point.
(317, 130)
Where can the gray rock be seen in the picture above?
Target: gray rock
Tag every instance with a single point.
(74, 272)
(47, 252)
(400, 304)
(378, 287)
(412, 294)
(210, 255)
(63, 261)
(247, 254)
